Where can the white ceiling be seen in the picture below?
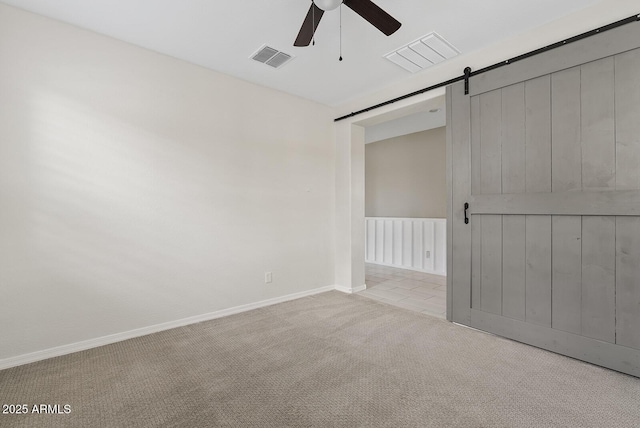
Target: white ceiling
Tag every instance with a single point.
(221, 35)
(432, 116)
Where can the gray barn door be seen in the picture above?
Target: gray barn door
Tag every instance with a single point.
(546, 151)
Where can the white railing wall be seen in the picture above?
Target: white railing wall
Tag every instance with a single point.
(410, 243)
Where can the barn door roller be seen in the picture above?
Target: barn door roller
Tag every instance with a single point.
(467, 75)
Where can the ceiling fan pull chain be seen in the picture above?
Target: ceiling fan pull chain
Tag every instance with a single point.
(313, 21)
(340, 59)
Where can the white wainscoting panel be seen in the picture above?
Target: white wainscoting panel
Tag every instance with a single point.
(410, 243)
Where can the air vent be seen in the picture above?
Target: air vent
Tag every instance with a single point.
(422, 53)
(272, 57)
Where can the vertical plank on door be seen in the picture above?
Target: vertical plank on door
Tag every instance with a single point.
(476, 224)
(397, 242)
(380, 241)
(567, 273)
(538, 134)
(513, 181)
(476, 261)
(538, 155)
(461, 189)
(598, 133)
(513, 139)
(491, 261)
(475, 146)
(491, 182)
(388, 242)
(407, 243)
(598, 277)
(538, 270)
(627, 102)
(490, 142)
(566, 175)
(513, 266)
(418, 247)
(566, 153)
(627, 281)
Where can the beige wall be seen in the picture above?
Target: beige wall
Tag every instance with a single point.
(405, 176)
(136, 189)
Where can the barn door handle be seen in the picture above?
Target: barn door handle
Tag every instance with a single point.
(466, 217)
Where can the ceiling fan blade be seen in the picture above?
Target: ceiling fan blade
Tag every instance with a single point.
(375, 15)
(309, 26)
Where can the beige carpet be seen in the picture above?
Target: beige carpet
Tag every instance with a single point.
(332, 360)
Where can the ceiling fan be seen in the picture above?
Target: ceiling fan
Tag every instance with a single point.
(365, 8)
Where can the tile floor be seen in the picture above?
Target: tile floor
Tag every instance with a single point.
(418, 291)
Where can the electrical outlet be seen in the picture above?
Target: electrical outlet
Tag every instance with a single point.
(428, 254)
(268, 278)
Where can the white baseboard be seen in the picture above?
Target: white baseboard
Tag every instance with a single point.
(351, 290)
(113, 338)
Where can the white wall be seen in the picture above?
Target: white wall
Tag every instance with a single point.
(136, 189)
(349, 226)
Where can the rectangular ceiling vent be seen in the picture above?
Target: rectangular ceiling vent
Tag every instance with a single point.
(422, 53)
(272, 57)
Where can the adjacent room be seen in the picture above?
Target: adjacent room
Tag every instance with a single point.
(327, 213)
(406, 210)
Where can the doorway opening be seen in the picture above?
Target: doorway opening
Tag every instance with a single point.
(405, 208)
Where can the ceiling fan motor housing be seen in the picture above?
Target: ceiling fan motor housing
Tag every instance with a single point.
(327, 4)
(367, 9)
